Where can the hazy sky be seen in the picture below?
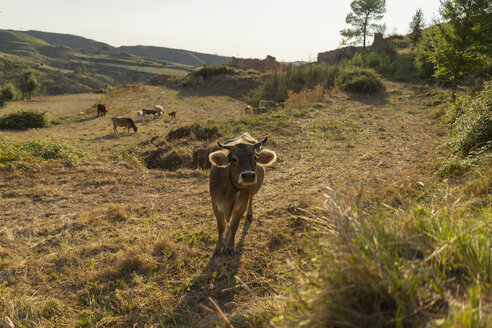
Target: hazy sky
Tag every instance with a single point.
(288, 30)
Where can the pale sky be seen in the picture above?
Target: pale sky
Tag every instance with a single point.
(288, 30)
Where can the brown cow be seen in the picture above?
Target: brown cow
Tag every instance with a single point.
(172, 114)
(102, 109)
(235, 178)
(124, 122)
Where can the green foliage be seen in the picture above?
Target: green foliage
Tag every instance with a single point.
(28, 83)
(207, 71)
(460, 45)
(416, 26)
(472, 126)
(295, 78)
(364, 12)
(359, 80)
(38, 149)
(7, 93)
(24, 120)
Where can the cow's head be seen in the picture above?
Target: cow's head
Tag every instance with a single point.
(243, 159)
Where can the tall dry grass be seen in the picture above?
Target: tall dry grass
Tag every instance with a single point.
(305, 98)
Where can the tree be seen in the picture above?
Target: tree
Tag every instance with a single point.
(416, 26)
(28, 84)
(364, 13)
(461, 44)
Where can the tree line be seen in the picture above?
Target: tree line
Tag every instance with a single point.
(26, 86)
(458, 43)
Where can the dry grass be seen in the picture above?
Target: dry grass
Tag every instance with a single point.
(109, 243)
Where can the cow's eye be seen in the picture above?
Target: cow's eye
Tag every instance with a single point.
(234, 160)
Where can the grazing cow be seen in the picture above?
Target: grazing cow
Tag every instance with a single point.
(102, 109)
(159, 109)
(172, 114)
(140, 115)
(125, 122)
(157, 112)
(236, 176)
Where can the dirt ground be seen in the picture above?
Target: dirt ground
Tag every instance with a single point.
(63, 227)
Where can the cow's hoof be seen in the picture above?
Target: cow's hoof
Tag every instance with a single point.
(229, 251)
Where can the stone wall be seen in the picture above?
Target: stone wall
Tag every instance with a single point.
(335, 56)
(269, 64)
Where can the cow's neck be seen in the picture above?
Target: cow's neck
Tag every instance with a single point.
(234, 186)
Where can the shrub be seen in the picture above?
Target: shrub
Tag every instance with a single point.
(7, 93)
(207, 71)
(38, 149)
(472, 126)
(359, 80)
(24, 120)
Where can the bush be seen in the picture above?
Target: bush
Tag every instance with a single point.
(472, 126)
(24, 120)
(38, 149)
(7, 93)
(359, 80)
(207, 71)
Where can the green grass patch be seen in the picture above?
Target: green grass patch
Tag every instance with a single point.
(37, 150)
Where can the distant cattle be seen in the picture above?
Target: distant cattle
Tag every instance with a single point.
(102, 109)
(236, 176)
(159, 109)
(156, 112)
(125, 122)
(140, 115)
(172, 114)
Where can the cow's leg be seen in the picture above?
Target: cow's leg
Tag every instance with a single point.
(221, 225)
(249, 215)
(237, 214)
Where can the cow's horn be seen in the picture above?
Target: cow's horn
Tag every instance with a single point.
(223, 146)
(260, 143)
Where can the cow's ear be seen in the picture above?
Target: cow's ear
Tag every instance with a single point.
(219, 158)
(266, 157)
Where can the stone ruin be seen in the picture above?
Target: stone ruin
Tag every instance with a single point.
(334, 56)
(269, 64)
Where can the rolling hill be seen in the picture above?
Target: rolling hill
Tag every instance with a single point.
(65, 63)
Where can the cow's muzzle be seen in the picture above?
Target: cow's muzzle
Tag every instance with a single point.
(247, 178)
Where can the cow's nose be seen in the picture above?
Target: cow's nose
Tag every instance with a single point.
(248, 176)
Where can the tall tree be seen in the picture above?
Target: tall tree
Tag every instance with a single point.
(364, 14)
(462, 42)
(416, 26)
(28, 84)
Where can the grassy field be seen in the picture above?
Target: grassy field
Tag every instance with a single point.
(107, 242)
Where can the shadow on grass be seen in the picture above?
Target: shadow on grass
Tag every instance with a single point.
(113, 136)
(214, 278)
(380, 98)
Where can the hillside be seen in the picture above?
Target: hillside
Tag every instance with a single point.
(71, 64)
(184, 57)
(108, 242)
